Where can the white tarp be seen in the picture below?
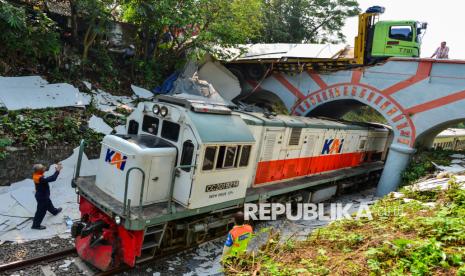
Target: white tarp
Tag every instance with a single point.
(141, 92)
(454, 168)
(121, 129)
(34, 93)
(221, 79)
(99, 125)
(28, 81)
(17, 204)
(107, 102)
(287, 50)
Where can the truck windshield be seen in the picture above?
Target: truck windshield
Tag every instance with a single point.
(401, 33)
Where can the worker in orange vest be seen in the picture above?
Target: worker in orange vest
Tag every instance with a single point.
(239, 237)
(42, 195)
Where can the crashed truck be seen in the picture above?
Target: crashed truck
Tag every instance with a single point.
(236, 76)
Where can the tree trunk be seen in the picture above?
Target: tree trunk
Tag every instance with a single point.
(74, 23)
(86, 44)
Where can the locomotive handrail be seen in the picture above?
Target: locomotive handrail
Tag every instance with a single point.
(173, 179)
(77, 173)
(126, 189)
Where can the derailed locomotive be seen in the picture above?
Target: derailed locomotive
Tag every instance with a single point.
(185, 165)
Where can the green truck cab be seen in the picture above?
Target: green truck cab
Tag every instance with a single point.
(396, 39)
(379, 40)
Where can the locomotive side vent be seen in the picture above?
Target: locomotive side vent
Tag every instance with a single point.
(270, 140)
(295, 136)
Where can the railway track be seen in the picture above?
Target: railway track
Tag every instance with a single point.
(17, 265)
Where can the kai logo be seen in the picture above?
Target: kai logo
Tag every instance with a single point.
(332, 146)
(116, 158)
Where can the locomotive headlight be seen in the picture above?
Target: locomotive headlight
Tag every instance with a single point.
(163, 111)
(156, 109)
(118, 220)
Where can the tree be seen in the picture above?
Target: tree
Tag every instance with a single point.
(27, 37)
(306, 21)
(97, 17)
(173, 26)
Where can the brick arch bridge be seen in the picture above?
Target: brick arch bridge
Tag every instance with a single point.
(417, 97)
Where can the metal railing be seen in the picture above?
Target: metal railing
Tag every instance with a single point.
(126, 202)
(77, 172)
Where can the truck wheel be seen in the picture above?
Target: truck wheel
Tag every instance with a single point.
(255, 71)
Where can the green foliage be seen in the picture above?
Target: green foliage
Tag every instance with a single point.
(4, 142)
(364, 114)
(26, 36)
(402, 256)
(172, 30)
(308, 21)
(38, 128)
(422, 164)
(415, 239)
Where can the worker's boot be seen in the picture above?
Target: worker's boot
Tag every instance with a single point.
(41, 227)
(58, 211)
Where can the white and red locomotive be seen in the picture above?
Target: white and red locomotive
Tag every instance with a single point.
(185, 162)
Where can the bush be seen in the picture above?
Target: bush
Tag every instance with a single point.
(27, 36)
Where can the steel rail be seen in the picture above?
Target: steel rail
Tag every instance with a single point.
(161, 255)
(29, 262)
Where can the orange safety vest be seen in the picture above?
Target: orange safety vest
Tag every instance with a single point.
(36, 178)
(241, 235)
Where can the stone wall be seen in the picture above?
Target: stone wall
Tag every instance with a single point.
(18, 164)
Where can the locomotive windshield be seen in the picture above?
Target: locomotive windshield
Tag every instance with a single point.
(147, 141)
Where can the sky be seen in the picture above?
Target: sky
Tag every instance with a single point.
(445, 18)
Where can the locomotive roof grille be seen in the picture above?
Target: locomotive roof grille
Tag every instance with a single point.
(196, 105)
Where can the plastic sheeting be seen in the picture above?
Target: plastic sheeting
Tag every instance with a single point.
(141, 92)
(287, 50)
(33, 92)
(99, 125)
(221, 79)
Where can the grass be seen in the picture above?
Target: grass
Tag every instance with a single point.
(421, 165)
(364, 114)
(403, 238)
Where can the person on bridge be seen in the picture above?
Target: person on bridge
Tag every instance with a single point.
(239, 237)
(42, 195)
(442, 52)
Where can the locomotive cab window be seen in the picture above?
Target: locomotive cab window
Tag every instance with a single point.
(150, 124)
(187, 154)
(133, 127)
(209, 158)
(404, 33)
(245, 154)
(226, 157)
(229, 157)
(170, 131)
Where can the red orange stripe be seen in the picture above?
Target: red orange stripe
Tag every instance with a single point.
(296, 92)
(270, 171)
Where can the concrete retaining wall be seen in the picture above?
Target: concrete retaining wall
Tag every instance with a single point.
(18, 164)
